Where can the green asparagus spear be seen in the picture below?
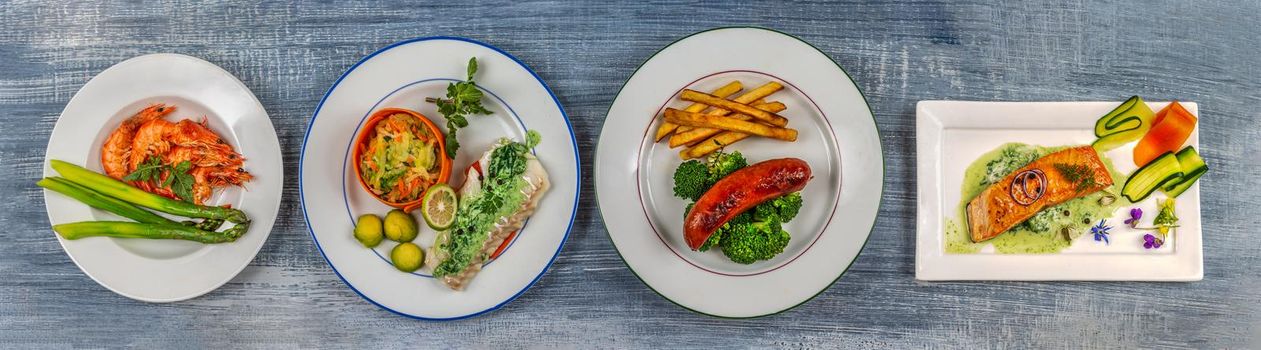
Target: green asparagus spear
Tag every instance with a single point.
(120, 190)
(206, 224)
(236, 231)
(100, 201)
(120, 229)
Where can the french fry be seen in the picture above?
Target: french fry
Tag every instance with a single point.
(718, 102)
(726, 90)
(704, 148)
(759, 93)
(694, 135)
(683, 129)
(731, 124)
(751, 96)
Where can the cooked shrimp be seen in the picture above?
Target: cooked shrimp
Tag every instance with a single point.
(147, 135)
(116, 151)
(205, 179)
(158, 137)
(210, 168)
(203, 157)
(215, 163)
(192, 133)
(150, 139)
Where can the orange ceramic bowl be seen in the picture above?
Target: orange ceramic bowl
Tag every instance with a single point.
(368, 131)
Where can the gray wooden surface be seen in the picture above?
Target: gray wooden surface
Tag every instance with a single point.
(289, 54)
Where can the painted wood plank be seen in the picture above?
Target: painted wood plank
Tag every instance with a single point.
(900, 53)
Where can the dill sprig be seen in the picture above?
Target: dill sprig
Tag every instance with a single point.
(1077, 174)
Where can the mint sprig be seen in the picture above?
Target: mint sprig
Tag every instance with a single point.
(463, 99)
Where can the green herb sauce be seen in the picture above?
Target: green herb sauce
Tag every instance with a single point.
(1041, 234)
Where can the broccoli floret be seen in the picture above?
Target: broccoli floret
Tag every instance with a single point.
(784, 208)
(750, 242)
(758, 234)
(722, 164)
(716, 238)
(743, 218)
(788, 206)
(691, 180)
(765, 211)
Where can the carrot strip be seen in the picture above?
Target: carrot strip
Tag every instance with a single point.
(1170, 129)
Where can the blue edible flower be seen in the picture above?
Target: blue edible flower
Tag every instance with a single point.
(1101, 231)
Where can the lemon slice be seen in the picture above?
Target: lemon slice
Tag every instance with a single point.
(439, 207)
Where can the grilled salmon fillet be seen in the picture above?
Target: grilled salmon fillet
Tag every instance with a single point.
(1068, 174)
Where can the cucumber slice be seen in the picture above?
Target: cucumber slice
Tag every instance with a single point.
(1151, 177)
(1128, 122)
(1192, 167)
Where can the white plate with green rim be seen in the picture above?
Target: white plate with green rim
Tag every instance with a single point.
(167, 270)
(402, 75)
(838, 139)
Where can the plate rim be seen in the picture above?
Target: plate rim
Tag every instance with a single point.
(280, 154)
(879, 201)
(925, 255)
(564, 116)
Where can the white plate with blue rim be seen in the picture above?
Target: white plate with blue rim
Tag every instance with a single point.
(838, 139)
(167, 270)
(403, 75)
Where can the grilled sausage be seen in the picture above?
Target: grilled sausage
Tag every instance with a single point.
(740, 191)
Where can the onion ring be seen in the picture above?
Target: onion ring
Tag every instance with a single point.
(1020, 191)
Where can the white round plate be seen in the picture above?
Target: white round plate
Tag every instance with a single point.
(167, 270)
(838, 138)
(403, 75)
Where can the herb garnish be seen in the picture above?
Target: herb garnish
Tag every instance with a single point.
(149, 170)
(1077, 174)
(178, 180)
(463, 98)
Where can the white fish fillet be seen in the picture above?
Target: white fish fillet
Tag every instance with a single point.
(537, 184)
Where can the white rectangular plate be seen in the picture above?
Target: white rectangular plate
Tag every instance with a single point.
(952, 134)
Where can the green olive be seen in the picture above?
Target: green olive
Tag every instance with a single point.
(368, 230)
(407, 256)
(400, 226)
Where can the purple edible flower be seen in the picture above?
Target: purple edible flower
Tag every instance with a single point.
(1101, 232)
(1150, 241)
(1135, 215)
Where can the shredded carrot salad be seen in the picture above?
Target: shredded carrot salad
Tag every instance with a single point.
(401, 159)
